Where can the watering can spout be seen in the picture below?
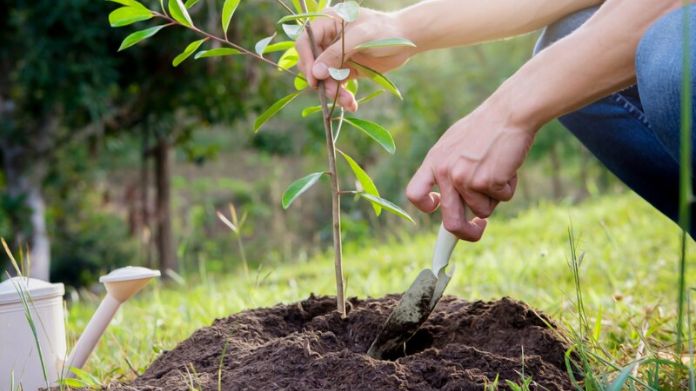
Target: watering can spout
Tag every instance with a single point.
(120, 285)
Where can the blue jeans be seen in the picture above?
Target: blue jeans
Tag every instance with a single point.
(635, 133)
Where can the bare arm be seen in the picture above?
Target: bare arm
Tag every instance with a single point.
(430, 25)
(592, 62)
(475, 162)
(438, 24)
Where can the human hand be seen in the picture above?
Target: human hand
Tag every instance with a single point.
(475, 165)
(370, 25)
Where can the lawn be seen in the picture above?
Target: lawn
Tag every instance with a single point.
(628, 279)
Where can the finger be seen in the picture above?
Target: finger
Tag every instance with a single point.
(454, 216)
(330, 88)
(501, 191)
(347, 100)
(473, 194)
(323, 29)
(306, 58)
(336, 55)
(419, 190)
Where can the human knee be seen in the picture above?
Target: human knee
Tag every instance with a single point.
(659, 54)
(659, 71)
(563, 27)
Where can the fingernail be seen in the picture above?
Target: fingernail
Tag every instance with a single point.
(320, 70)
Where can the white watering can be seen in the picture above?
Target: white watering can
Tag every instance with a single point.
(20, 362)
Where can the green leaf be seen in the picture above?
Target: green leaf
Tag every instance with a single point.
(339, 74)
(300, 83)
(262, 44)
(348, 10)
(192, 47)
(323, 4)
(352, 86)
(292, 30)
(138, 36)
(307, 111)
(273, 110)
(129, 3)
(294, 17)
(217, 52)
(298, 187)
(190, 3)
(228, 9)
(387, 42)
(371, 96)
(375, 131)
(388, 206)
(178, 11)
(279, 47)
(288, 59)
(365, 181)
(378, 78)
(128, 15)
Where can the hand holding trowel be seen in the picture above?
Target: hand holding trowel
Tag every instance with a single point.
(417, 303)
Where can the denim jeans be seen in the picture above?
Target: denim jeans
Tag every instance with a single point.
(635, 133)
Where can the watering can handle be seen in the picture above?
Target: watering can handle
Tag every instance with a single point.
(443, 250)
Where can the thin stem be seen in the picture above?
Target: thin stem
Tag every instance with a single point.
(282, 3)
(335, 189)
(228, 43)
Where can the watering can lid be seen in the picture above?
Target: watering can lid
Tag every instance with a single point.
(129, 273)
(37, 289)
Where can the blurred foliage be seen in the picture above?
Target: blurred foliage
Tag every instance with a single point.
(59, 60)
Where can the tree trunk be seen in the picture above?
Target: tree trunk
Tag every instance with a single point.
(165, 241)
(24, 183)
(40, 254)
(144, 210)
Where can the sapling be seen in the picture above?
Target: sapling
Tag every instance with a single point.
(298, 18)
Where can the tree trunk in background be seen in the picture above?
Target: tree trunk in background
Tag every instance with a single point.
(40, 244)
(144, 209)
(165, 242)
(556, 181)
(24, 183)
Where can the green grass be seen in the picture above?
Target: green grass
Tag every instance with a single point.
(629, 278)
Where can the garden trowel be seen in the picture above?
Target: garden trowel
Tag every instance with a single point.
(416, 304)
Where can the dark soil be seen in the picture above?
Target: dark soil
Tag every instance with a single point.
(306, 346)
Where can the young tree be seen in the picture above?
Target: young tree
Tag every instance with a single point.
(299, 17)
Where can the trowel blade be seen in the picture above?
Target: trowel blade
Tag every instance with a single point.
(406, 318)
(442, 281)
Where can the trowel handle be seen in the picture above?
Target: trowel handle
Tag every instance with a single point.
(94, 330)
(443, 249)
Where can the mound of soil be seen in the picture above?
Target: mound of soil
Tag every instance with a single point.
(307, 346)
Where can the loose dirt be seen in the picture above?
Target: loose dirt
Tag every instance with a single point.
(306, 346)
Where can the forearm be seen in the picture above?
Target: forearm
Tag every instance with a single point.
(592, 62)
(435, 24)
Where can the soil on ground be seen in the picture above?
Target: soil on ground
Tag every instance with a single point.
(307, 346)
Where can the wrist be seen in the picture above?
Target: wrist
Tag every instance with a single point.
(412, 25)
(514, 108)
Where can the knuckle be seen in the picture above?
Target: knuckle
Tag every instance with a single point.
(441, 170)
(453, 225)
(481, 183)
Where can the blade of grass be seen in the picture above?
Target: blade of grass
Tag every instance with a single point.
(685, 188)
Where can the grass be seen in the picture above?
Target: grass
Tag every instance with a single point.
(627, 279)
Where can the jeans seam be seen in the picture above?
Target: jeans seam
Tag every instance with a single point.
(632, 109)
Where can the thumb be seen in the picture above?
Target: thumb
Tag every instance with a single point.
(330, 58)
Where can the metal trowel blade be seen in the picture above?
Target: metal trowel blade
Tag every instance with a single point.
(407, 317)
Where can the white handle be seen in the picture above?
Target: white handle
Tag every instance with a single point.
(443, 250)
(94, 330)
